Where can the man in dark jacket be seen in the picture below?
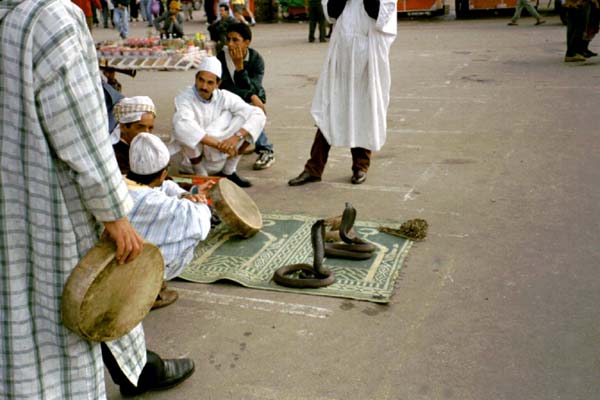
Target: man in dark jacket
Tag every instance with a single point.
(243, 71)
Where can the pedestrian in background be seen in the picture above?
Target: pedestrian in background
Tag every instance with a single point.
(188, 9)
(89, 10)
(314, 9)
(532, 11)
(576, 26)
(121, 17)
(170, 23)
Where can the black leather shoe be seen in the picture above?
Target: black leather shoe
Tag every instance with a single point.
(303, 178)
(238, 180)
(170, 374)
(359, 177)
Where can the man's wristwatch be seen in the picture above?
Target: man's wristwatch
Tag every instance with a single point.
(240, 135)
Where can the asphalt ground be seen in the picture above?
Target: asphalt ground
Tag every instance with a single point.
(492, 139)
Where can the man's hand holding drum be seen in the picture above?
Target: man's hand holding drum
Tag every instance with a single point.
(129, 242)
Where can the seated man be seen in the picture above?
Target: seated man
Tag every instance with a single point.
(170, 23)
(134, 115)
(218, 29)
(243, 76)
(163, 213)
(211, 125)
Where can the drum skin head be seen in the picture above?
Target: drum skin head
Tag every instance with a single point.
(103, 300)
(236, 208)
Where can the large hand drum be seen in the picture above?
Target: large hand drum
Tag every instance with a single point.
(103, 300)
(236, 208)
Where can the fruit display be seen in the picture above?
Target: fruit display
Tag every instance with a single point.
(154, 53)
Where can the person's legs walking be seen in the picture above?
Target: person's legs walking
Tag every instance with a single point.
(575, 21)
(322, 23)
(312, 23)
(517, 13)
(533, 12)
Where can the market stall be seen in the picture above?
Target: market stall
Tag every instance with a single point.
(154, 53)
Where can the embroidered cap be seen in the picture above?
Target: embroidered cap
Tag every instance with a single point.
(211, 64)
(148, 154)
(131, 109)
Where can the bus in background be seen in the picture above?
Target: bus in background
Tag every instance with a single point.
(423, 7)
(464, 6)
(294, 9)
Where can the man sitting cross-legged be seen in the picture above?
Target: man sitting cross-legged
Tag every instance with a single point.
(243, 73)
(210, 125)
(163, 213)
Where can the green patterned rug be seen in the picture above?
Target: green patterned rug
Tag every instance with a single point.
(284, 240)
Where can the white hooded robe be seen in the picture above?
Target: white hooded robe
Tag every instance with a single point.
(352, 94)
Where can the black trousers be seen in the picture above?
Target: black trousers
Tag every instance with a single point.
(316, 16)
(319, 152)
(152, 372)
(576, 22)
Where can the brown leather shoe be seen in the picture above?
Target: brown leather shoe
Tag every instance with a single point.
(359, 177)
(165, 297)
(303, 179)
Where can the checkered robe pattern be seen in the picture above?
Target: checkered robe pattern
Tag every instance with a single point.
(58, 176)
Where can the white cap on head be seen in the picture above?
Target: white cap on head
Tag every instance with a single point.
(211, 64)
(131, 109)
(148, 154)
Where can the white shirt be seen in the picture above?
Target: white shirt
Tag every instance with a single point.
(221, 117)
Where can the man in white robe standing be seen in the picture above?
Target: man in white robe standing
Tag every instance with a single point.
(352, 94)
(59, 183)
(211, 125)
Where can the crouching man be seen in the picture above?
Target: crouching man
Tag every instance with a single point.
(211, 125)
(163, 213)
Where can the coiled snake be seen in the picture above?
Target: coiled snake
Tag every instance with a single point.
(354, 247)
(317, 275)
(309, 276)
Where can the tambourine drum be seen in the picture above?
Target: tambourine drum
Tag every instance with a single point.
(236, 208)
(103, 300)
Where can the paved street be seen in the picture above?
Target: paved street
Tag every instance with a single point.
(492, 139)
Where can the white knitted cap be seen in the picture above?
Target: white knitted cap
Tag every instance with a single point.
(211, 64)
(131, 109)
(148, 154)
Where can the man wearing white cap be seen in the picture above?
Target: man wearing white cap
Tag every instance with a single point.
(134, 115)
(210, 125)
(163, 213)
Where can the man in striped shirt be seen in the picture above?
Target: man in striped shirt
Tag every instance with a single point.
(59, 183)
(163, 213)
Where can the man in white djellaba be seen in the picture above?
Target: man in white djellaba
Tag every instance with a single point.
(212, 125)
(353, 91)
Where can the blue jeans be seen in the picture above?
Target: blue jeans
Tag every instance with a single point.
(525, 4)
(121, 21)
(146, 5)
(262, 143)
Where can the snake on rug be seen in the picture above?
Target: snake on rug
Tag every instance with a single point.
(308, 276)
(354, 247)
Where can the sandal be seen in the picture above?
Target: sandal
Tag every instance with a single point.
(165, 297)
